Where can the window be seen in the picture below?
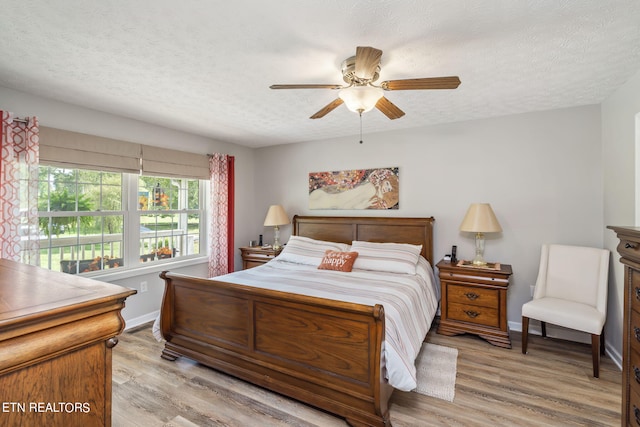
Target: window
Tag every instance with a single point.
(169, 216)
(85, 224)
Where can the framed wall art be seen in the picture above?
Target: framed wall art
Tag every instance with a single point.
(355, 189)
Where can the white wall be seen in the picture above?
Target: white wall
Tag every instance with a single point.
(69, 117)
(541, 172)
(619, 150)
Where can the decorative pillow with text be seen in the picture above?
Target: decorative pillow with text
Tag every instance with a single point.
(338, 261)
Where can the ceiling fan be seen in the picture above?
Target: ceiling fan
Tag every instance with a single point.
(361, 94)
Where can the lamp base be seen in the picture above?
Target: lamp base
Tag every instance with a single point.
(276, 238)
(479, 258)
(479, 262)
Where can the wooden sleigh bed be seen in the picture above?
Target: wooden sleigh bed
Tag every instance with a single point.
(323, 352)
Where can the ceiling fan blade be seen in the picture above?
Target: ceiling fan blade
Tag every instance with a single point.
(451, 82)
(328, 108)
(389, 109)
(367, 61)
(306, 86)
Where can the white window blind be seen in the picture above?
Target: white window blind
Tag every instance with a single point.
(69, 149)
(164, 162)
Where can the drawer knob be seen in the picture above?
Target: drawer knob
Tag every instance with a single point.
(472, 314)
(472, 296)
(112, 342)
(636, 373)
(630, 245)
(636, 414)
(637, 293)
(636, 332)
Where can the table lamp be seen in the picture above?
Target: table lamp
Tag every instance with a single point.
(480, 219)
(276, 216)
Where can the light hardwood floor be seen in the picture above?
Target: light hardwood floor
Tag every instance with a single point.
(550, 386)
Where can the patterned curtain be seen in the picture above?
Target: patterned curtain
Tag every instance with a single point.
(221, 170)
(19, 231)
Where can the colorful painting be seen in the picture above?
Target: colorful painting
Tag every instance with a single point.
(355, 189)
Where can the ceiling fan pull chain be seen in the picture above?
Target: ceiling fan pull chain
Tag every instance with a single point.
(360, 126)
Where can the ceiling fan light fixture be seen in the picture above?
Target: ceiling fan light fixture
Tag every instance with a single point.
(361, 99)
(359, 72)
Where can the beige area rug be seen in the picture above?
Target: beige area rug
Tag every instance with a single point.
(437, 366)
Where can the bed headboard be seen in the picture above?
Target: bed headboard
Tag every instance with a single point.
(416, 231)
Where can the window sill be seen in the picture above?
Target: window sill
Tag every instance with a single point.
(156, 267)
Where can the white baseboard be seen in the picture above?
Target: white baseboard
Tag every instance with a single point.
(141, 320)
(569, 335)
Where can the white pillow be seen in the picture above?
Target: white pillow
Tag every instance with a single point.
(303, 250)
(390, 257)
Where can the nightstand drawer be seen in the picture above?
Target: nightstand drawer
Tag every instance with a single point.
(476, 277)
(474, 314)
(248, 263)
(472, 296)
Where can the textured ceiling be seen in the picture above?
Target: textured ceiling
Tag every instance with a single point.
(206, 66)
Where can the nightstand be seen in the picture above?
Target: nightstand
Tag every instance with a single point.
(256, 255)
(474, 301)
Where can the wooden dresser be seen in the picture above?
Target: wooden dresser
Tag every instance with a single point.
(474, 300)
(56, 335)
(629, 250)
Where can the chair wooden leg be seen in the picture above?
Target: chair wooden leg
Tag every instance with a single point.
(525, 334)
(543, 326)
(602, 348)
(595, 352)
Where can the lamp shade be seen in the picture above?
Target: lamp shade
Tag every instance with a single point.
(361, 99)
(276, 216)
(480, 219)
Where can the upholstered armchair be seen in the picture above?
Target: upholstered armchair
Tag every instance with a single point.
(571, 291)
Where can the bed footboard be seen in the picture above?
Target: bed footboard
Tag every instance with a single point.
(322, 352)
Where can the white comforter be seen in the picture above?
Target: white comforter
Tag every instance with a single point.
(410, 303)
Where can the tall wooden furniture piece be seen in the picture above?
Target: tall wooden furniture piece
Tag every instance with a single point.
(253, 256)
(629, 250)
(56, 335)
(474, 301)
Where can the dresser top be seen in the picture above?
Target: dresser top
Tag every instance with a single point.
(28, 293)
(631, 230)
